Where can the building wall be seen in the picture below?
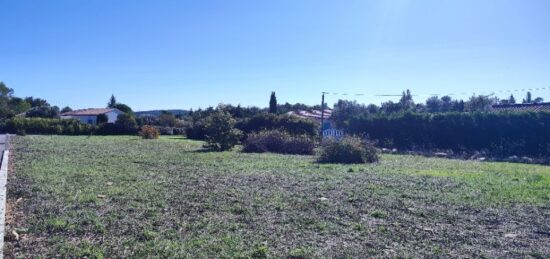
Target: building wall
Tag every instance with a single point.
(90, 119)
(112, 116)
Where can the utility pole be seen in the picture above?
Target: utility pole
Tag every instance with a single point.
(322, 114)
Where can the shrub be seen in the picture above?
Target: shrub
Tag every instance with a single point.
(349, 150)
(220, 129)
(278, 141)
(149, 132)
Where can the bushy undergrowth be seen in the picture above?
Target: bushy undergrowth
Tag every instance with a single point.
(525, 133)
(278, 141)
(149, 132)
(291, 124)
(349, 150)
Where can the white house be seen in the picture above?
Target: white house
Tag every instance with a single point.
(90, 115)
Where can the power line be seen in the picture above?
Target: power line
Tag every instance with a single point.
(448, 94)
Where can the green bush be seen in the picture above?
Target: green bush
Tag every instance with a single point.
(349, 150)
(220, 129)
(278, 141)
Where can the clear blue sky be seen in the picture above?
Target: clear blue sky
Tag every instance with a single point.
(186, 54)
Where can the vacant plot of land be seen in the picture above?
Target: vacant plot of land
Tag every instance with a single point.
(127, 197)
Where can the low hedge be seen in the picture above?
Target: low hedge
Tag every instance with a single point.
(19, 125)
(525, 133)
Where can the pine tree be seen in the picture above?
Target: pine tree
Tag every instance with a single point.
(112, 102)
(273, 103)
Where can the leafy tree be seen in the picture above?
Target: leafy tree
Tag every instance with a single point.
(446, 103)
(406, 100)
(18, 105)
(37, 102)
(221, 134)
(273, 103)
(43, 112)
(5, 92)
(126, 121)
(433, 104)
(372, 108)
(458, 106)
(167, 119)
(479, 103)
(538, 100)
(390, 107)
(123, 108)
(66, 109)
(345, 110)
(112, 102)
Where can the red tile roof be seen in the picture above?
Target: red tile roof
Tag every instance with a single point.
(315, 114)
(89, 112)
(523, 107)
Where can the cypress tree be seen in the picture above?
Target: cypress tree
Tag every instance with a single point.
(112, 102)
(273, 103)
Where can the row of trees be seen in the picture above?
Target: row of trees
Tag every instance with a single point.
(344, 110)
(10, 105)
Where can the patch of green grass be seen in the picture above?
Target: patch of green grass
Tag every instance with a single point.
(120, 196)
(378, 214)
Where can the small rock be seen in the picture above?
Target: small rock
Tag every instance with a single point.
(386, 150)
(323, 199)
(101, 196)
(513, 159)
(526, 159)
(15, 235)
(22, 230)
(440, 154)
(394, 150)
(510, 235)
(109, 183)
(481, 159)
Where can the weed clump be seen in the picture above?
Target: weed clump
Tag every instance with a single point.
(349, 150)
(149, 132)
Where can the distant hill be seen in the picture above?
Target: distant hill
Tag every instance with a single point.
(157, 113)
